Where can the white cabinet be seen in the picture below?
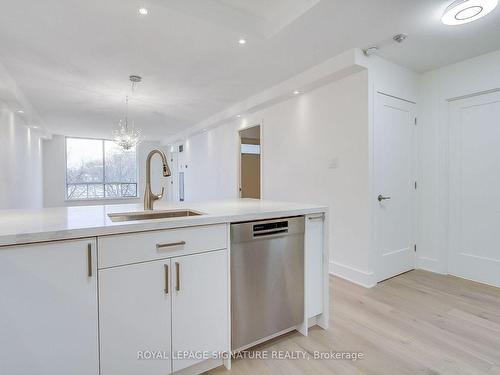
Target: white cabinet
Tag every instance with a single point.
(200, 312)
(48, 309)
(134, 314)
(314, 265)
(121, 249)
(144, 308)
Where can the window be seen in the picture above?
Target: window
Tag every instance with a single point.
(250, 149)
(99, 169)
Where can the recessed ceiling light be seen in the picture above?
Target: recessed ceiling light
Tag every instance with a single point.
(238, 116)
(242, 41)
(464, 11)
(296, 92)
(400, 38)
(20, 111)
(370, 50)
(143, 11)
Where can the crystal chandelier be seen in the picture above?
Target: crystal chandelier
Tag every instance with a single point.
(125, 135)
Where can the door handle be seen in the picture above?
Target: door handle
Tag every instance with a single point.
(382, 198)
(166, 278)
(177, 276)
(320, 217)
(89, 260)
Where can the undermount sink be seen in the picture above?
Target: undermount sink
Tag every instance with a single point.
(149, 215)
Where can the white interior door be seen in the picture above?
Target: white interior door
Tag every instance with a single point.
(475, 188)
(394, 195)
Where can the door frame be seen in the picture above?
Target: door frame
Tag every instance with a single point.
(173, 156)
(238, 167)
(373, 185)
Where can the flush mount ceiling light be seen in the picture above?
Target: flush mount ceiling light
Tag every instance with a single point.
(143, 11)
(464, 11)
(242, 41)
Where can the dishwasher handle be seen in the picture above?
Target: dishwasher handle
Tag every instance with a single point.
(270, 233)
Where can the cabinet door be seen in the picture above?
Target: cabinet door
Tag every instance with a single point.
(314, 265)
(200, 306)
(48, 309)
(134, 318)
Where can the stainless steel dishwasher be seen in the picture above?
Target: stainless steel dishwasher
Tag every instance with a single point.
(267, 278)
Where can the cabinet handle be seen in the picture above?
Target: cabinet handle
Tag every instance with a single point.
(316, 217)
(166, 278)
(89, 260)
(170, 244)
(177, 276)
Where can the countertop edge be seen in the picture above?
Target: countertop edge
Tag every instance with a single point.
(145, 226)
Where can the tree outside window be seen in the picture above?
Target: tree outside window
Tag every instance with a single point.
(99, 169)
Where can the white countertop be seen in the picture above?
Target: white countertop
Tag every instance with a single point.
(49, 224)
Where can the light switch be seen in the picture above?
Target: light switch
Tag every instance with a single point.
(333, 163)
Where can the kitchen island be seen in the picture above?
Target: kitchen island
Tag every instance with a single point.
(85, 290)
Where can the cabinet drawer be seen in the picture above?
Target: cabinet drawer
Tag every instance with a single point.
(117, 250)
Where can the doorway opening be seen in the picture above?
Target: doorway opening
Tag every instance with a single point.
(250, 162)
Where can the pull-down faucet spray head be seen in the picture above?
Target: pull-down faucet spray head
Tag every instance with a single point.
(166, 170)
(149, 197)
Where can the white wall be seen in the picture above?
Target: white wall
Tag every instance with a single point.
(20, 163)
(54, 177)
(437, 87)
(301, 138)
(212, 162)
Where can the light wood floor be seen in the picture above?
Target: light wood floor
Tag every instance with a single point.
(416, 323)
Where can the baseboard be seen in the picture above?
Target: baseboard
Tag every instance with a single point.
(430, 264)
(365, 279)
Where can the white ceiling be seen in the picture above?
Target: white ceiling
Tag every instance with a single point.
(71, 58)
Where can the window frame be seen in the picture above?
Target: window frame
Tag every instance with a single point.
(137, 197)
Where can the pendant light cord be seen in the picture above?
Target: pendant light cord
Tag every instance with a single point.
(126, 104)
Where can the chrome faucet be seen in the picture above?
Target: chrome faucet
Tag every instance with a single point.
(149, 197)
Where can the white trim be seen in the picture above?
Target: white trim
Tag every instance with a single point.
(431, 265)
(472, 280)
(471, 95)
(396, 97)
(478, 257)
(363, 278)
